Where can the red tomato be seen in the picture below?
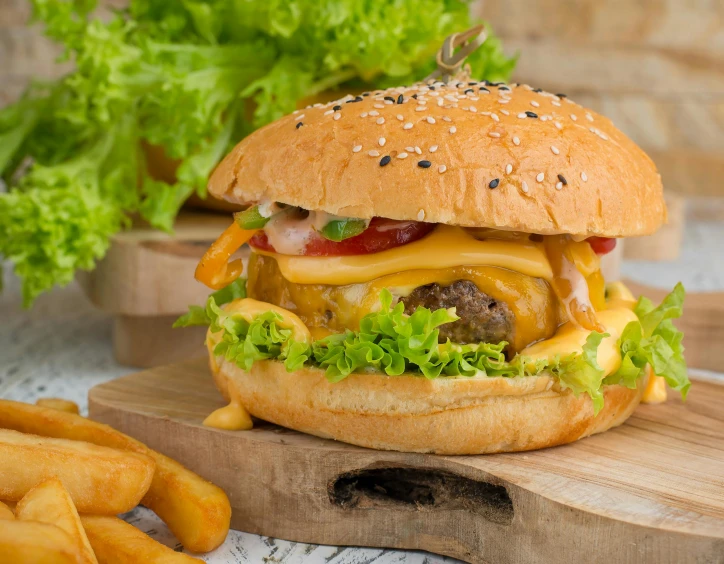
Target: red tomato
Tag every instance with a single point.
(382, 234)
(602, 245)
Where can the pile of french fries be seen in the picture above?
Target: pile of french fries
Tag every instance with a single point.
(64, 478)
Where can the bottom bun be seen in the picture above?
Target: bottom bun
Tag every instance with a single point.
(413, 414)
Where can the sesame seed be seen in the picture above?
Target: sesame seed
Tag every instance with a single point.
(584, 177)
(505, 112)
(300, 124)
(495, 117)
(540, 177)
(414, 96)
(544, 118)
(494, 183)
(573, 117)
(402, 156)
(374, 113)
(328, 112)
(524, 187)
(299, 117)
(440, 102)
(382, 141)
(424, 164)
(483, 90)
(453, 129)
(531, 114)
(420, 108)
(356, 148)
(380, 121)
(555, 150)
(538, 90)
(508, 168)
(337, 116)
(408, 125)
(390, 98)
(559, 186)
(558, 104)
(410, 149)
(473, 109)
(522, 115)
(433, 148)
(337, 108)
(562, 95)
(558, 125)
(420, 215)
(374, 153)
(589, 117)
(563, 179)
(441, 169)
(430, 119)
(504, 100)
(494, 134)
(516, 141)
(385, 160)
(400, 99)
(380, 106)
(534, 104)
(446, 118)
(400, 117)
(363, 114)
(418, 150)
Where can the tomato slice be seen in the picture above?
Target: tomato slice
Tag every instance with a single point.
(382, 234)
(602, 245)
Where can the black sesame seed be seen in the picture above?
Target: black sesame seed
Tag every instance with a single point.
(469, 91)
(531, 114)
(496, 84)
(357, 99)
(504, 88)
(472, 83)
(460, 84)
(390, 98)
(300, 124)
(337, 108)
(385, 160)
(485, 82)
(562, 95)
(365, 93)
(494, 183)
(431, 87)
(538, 90)
(414, 96)
(424, 164)
(400, 99)
(563, 180)
(483, 89)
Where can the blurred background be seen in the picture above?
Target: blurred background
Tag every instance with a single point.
(655, 67)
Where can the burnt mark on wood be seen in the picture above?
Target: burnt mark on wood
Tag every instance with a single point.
(422, 490)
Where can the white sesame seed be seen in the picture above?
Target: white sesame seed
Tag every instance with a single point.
(382, 141)
(540, 177)
(555, 150)
(522, 115)
(494, 134)
(584, 177)
(410, 149)
(485, 113)
(441, 169)
(380, 106)
(402, 156)
(495, 117)
(508, 168)
(374, 113)
(440, 101)
(420, 215)
(446, 118)
(559, 186)
(433, 148)
(534, 104)
(473, 109)
(420, 108)
(453, 129)
(556, 103)
(299, 117)
(505, 112)
(418, 150)
(589, 117)
(430, 119)
(516, 141)
(504, 100)
(363, 114)
(524, 186)
(328, 112)
(400, 117)
(573, 117)
(408, 125)
(380, 121)
(388, 102)
(558, 125)
(374, 153)
(337, 116)
(295, 112)
(356, 148)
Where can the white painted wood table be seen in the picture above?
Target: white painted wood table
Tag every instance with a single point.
(62, 347)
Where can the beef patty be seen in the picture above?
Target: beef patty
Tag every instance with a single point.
(482, 319)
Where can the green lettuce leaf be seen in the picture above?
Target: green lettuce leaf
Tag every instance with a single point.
(198, 315)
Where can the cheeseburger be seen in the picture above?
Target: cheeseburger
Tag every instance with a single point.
(425, 272)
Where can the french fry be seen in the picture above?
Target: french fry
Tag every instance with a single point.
(30, 541)
(117, 542)
(49, 502)
(6, 513)
(60, 404)
(195, 510)
(100, 480)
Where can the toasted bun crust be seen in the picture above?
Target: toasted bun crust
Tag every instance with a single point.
(611, 188)
(412, 414)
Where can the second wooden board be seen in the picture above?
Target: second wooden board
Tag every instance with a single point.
(650, 491)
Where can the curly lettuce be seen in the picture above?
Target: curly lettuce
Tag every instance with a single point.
(189, 78)
(391, 342)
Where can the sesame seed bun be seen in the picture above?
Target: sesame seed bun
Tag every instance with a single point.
(413, 414)
(505, 157)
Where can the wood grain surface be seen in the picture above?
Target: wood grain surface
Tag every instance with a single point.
(651, 490)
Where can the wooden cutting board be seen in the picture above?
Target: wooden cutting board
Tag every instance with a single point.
(651, 490)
